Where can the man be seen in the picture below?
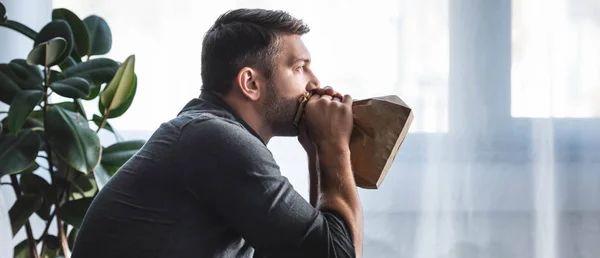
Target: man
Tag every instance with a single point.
(205, 184)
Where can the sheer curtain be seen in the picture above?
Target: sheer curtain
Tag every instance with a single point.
(503, 157)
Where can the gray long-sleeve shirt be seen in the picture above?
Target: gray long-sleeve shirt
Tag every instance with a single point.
(206, 185)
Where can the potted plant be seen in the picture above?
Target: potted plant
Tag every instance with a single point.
(58, 139)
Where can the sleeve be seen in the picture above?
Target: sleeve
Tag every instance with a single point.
(229, 169)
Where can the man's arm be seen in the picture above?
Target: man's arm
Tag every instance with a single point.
(330, 125)
(231, 173)
(337, 190)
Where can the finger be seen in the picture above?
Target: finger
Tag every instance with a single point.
(336, 99)
(322, 91)
(329, 90)
(327, 96)
(338, 95)
(314, 97)
(347, 99)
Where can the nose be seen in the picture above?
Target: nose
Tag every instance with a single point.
(313, 83)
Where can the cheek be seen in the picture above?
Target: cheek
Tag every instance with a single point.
(295, 86)
(292, 84)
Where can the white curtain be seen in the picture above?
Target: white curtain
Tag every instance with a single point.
(503, 157)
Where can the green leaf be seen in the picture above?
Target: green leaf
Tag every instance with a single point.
(116, 98)
(74, 106)
(73, 87)
(1, 128)
(100, 35)
(96, 71)
(3, 17)
(98, 120)
(79, 108)
(48, 53)
(80, 31)
(17, 153)
(8, 87)
(35, 185)
(72, 236)
(57, 29)
(21, 250)
(55, 76)
(73, 212)
(38, 117)
(83, 182)
(118, 153)
(22, 209)
(67, 105)
(70, 61)
(87, 67)
(22, 105)
(28, 74)
(32, 121)
(51, 246)
(34, 166)
(21, 78)
(72, 139)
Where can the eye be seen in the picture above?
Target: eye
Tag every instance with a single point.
(300, 68)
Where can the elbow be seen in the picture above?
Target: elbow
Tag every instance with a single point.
(340, 240)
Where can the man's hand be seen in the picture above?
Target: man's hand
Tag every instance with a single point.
(329, 122)
(303, 136)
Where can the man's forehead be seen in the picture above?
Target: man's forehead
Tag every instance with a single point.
(294, 49)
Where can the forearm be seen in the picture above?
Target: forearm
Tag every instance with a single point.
(337, 190)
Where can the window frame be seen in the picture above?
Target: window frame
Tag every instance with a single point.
(480, 125)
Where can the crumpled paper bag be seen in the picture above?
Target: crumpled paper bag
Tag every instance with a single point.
(380, 126)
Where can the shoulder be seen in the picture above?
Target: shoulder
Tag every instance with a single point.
(221, 138)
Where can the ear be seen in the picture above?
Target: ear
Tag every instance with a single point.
(249, 82)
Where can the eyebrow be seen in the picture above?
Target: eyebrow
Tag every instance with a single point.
(298, 59)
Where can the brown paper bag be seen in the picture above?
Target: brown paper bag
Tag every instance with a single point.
(380, 126)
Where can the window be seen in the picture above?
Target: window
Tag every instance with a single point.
(556, 58)
(380, 48)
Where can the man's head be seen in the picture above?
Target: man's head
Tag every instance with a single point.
(258, 57)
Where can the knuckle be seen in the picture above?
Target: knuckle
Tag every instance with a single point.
(323, 101)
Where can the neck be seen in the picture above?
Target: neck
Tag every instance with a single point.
(250, 113)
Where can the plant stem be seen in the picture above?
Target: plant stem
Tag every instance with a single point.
(61, 234)
(32, 244)
(47, 226)
(60, 196)
(16, 26)
(104, 118)
(3, 112)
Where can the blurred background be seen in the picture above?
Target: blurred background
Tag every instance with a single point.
(503, 157)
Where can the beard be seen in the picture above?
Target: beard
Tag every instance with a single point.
(280, 112)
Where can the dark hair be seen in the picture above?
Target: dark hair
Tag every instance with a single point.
(244, 38)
